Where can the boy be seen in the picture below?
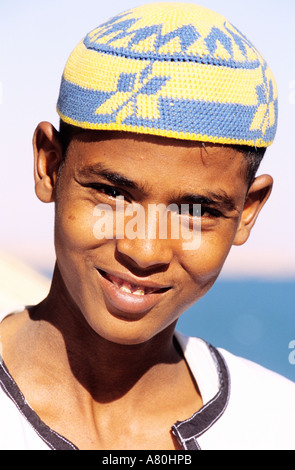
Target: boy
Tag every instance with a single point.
(164, 106)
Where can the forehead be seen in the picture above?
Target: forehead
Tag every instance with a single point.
(151, 157)
(94, 144)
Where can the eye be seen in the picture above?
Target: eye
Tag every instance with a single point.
(210, 212)
(199, 210)
(110, 191)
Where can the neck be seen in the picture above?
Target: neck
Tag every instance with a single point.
(106, 370)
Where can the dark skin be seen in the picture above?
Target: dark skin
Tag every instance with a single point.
(108, 363)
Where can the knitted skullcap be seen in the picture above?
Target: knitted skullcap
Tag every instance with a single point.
(171, 69)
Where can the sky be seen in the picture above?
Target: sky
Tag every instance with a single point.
(36, 38)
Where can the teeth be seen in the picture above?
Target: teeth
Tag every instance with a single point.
(129, 288)
(138, 292)
(125, 289)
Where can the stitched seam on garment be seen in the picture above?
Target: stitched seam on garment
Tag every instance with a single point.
(228, 394)
(222, 387)
(213, 399)
(199, 412)
(25, 403)
(184, 442)
(22, 413)
(203, 409)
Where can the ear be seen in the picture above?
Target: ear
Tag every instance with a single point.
(47, 159)
(257, 196)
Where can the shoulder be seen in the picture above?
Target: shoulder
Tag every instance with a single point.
(244, 375)
(16, 433)
(261, 408)
(256, 380)
(10, 322)
(13, 311)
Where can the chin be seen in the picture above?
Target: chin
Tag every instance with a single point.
(129, 333)
(127, 339)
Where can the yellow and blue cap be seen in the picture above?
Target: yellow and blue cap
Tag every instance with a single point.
(171, 69)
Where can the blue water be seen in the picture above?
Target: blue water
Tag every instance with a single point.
(254, 319)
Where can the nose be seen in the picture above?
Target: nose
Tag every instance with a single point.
(146, 253)
(151, 246)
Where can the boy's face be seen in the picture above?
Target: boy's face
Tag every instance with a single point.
(131, 289)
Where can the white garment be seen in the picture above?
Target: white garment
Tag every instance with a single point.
(260, 413)
(245, 407)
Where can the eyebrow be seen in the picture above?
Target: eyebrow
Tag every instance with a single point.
(209, 198)
(101, 171)
(213, 199)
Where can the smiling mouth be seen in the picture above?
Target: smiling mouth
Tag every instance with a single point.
(130, 288)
